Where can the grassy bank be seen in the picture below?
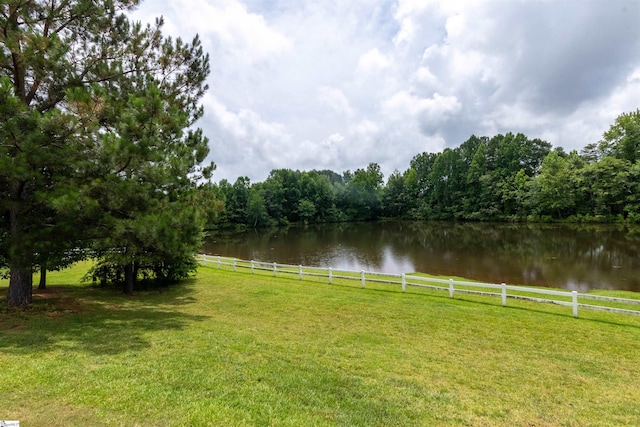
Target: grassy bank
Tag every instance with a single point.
(234, 349)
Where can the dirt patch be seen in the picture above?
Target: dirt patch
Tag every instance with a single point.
(58, 301)
(50, 292)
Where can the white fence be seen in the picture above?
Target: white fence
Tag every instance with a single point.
(504, 291)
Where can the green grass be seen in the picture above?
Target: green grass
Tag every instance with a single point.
(240, 350)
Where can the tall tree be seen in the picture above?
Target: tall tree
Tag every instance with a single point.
(394, 196)
(447, 181)
(144, 185)
(607, 186)
(554, 189)
(77, 82)
(317, 189)
(362, 197)
(257, 215)
(623, 137)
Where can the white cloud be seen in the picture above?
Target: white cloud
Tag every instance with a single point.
(227, 25)
(365, 128)
(373, 60)
(436, 108)
(424, 76)
(246, 125)
(335, 100)
(455, 26)
(406, 13)
(339, 84)
(243, 32)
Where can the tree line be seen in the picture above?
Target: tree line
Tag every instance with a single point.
(501, 178)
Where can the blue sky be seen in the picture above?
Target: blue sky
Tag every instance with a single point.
(337, 84)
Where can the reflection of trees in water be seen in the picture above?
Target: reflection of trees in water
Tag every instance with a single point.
(536, 254)
(555, 255)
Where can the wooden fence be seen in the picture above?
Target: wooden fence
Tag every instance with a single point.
(571, 299)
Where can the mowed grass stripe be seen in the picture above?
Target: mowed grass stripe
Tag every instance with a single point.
(239, 349)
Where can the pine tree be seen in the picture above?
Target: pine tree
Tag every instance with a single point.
(93, 112)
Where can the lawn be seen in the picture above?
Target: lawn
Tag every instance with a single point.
(235, 349)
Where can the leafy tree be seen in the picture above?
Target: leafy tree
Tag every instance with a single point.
(622, 139)
(477, 169)
(316, 188)
(333, 177)
(257, 215)
(555, 187)
(515, 194)
(238, 201)
(447, 182)
(606, 184)
(422, 164)
(210, 199)
(595, 152)
(507, 155)
(394, 196)
(361, 200)
(632, 207)
(412, 191)
(306, 210)
(277, 195)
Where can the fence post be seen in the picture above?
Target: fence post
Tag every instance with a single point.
(504, 294)
(234, 265)
(330, 276)
(574, 294)
(362, 274)
(204, 259)
(300, 272)
(251, 266)
(404, 283)
(218, 262)
(274, 270)
(450, 288)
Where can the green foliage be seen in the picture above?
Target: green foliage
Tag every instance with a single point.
(152, 271)
(395, 197)
(605, 185)
(501, 178)
(622, 139)
(555, 187)
(360, 198)
(99, 149)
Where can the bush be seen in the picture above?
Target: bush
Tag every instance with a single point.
(145, 273)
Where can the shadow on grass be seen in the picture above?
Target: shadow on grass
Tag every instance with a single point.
(94, 320)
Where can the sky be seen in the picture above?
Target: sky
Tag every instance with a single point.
(338, 84)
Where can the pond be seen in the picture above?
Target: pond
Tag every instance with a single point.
(574, 257)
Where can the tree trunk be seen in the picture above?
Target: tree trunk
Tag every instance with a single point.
(20, 289)
(128, 279)
(136, 268)
(43, 277)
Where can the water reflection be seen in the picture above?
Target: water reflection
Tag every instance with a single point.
(568, 256)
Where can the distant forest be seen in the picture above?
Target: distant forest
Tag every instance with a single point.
(501, 178)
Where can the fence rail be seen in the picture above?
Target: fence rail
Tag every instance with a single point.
(504, 291)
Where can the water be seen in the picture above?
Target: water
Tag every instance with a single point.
(564, 256)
